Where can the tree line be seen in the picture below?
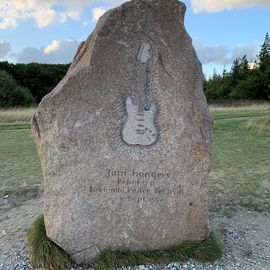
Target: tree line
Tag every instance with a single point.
(23, 85)
(26, 84)
(245, 81)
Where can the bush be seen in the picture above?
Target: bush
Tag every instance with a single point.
(22, 97)
(40, 79)
(13, 95)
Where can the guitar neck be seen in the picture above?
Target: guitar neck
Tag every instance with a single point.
(141, 84)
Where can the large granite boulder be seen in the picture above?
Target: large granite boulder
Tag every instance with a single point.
(125, 138)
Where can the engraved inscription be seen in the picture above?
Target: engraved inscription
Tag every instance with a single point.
(138, 186)
(151, 174)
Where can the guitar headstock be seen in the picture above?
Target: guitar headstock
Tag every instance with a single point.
(144, 53)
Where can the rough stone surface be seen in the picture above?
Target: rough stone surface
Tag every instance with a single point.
(102, 189)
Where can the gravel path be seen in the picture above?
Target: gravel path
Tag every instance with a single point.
(247, 239)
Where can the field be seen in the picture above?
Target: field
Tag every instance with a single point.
(19, 161)
(240, 175)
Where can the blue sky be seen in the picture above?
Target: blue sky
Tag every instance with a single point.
(50, 31)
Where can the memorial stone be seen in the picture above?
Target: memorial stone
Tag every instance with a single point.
(125, 138)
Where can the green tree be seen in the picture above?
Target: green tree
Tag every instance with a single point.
(264, 55)
(212, 85)
(240, 79)
(40, 79)
(11, 94)
(243, 82)
(248, 88)
(264, 68)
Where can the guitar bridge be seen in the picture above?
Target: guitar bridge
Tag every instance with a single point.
(141, 132)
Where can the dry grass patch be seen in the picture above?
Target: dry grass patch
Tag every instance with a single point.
(16, 115)
(252, 107)
(260, 124)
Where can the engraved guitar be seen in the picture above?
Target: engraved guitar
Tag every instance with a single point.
(139, 128)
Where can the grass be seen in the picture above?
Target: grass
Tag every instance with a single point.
(209, 250)
(240, 174)
(16, 115)
(242, 112)
(44, 253)
(19, 161)
(260, 124)
(240, 178)
(18, 118)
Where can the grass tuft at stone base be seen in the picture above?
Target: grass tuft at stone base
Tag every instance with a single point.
(43, 252)
(210, 249)
(46, 254)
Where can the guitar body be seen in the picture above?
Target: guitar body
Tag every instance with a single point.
(139, 128)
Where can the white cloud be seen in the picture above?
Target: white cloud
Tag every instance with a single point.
(253, 65)
(97, 13)
(44, 12)
(222, 54)
(5, 48)
(54, 46)
(13, 10)
(7, 15)
(248, 50)
(219, 5)
(45, 17)
(114, 3)
(58, 52)
(211, 54)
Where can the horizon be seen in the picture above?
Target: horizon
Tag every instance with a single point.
(221, 31)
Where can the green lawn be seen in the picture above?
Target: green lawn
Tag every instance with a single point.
(19, 161)
(240, 175)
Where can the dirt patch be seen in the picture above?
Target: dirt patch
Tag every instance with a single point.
(17, 214)
(246, 235)
(18, 198)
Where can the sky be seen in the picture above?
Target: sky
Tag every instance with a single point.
(49, 31)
